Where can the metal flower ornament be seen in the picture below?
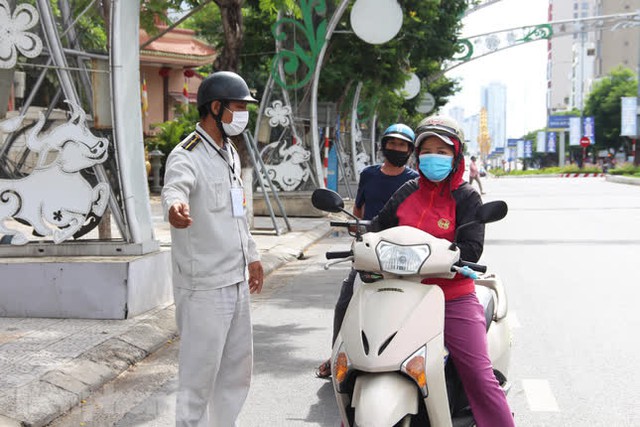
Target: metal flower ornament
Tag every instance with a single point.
(14, 36)
(278, 114)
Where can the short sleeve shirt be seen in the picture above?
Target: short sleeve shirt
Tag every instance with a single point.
(375, 188)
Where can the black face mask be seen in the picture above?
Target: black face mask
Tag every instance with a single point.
(396, 158)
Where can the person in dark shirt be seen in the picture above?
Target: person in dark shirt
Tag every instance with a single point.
(377, 184)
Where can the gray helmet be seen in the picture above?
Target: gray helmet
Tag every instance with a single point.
(223, 86)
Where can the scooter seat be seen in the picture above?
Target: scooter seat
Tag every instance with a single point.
(485, 296)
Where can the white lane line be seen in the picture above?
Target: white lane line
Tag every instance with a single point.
(539, 396)
(513, 320)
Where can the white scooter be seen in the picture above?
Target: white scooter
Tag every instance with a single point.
(389, 363)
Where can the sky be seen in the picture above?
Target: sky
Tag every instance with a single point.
(522, 69)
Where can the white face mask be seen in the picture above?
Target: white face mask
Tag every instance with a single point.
(239, 120)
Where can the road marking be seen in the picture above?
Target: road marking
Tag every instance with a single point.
(513, 320)
(539, 396)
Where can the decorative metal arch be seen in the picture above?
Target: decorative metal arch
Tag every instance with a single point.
(479, 46)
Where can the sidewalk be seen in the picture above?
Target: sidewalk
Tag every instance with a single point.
(48, 366)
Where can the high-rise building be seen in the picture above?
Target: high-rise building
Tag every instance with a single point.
(456, 113)
(619, 47)
(494, 99)
(571, 58)
(471, 128)
(576, 61)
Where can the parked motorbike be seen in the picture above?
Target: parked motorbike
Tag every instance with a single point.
(389, 364)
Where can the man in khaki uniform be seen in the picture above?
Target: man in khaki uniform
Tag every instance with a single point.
(215, 260)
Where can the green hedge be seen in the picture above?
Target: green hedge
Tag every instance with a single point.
(546, 171)
(626, 169)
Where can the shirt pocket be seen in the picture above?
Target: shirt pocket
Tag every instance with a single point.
(217, 194)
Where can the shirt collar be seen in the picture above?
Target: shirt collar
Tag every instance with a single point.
(208, 137)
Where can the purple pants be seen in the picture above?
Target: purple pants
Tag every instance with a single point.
(465, 337)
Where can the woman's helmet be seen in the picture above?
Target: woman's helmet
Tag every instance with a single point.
(400, 131)
(223, 86)
(441, 126)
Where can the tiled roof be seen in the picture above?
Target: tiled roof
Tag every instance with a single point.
(178, 46)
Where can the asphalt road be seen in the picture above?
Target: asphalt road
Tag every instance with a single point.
(568, 253)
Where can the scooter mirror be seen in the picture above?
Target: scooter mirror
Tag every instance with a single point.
(327, 200)
(492, 212)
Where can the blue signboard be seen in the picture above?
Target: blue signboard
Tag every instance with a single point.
(528, 149)
(551, 142)
(498, 150)
(332, 170)
(589, 129)
(558, 122)
(512, 142)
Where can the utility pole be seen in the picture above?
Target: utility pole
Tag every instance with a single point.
(582, 35)
(634, 150)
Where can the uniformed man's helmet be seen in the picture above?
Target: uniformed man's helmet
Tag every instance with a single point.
(223, 86)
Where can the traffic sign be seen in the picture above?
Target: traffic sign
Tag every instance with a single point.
(585, 141)
(426, 103)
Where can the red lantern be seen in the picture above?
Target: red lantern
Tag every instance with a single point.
(164, 72)
(188, 73)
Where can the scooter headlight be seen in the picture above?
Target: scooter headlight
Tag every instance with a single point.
(415, 367)
(401, 260)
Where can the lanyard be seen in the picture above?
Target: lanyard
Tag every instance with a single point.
(231, 165)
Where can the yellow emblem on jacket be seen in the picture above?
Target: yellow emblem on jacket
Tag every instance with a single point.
(444, 223)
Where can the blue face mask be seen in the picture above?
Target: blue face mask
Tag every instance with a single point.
(436, 167)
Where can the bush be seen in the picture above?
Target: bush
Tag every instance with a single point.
(625, 169)
(170, 133)
(548, 171)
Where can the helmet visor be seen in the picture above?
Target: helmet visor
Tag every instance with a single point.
(425, 135)
(397, 135)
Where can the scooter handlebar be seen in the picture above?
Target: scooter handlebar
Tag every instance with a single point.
(472, 265)
(339, 254)
(339, 223)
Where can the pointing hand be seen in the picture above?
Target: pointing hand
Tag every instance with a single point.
(179, 215)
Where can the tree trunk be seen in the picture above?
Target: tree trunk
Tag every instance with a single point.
(6, 80)
(231, 14)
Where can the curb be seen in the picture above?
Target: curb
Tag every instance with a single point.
(623, 179)
(57, 391)
(556, 175)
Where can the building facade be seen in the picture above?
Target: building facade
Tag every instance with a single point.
(571, 58)
(167, 70)
(578, 60)
(494, 99)
(620, 47)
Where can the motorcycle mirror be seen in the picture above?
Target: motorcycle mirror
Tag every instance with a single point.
(492, 212)
(327, 200)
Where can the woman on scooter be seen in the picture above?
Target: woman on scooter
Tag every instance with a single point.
(439, 201)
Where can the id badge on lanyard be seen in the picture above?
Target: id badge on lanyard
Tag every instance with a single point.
(238, 202)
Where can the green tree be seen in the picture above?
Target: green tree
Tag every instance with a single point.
(427, 38)
(603, 104)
